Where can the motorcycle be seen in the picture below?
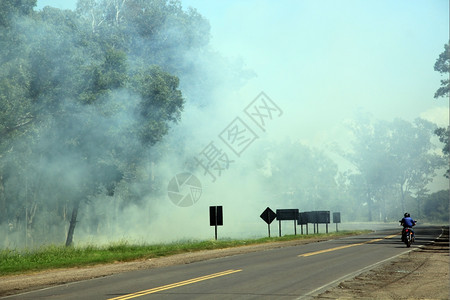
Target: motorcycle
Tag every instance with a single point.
(408, 236)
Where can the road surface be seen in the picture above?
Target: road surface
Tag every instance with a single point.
(295, 272)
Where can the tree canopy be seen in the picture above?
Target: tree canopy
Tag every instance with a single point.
(442, 65)
(84, 95)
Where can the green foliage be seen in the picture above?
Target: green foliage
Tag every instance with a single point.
(107, 75)
(444, 135)
(9, 9)
(84, 95)
(442, 66)
(160, 101)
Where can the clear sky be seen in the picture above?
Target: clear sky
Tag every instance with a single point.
(323, 61)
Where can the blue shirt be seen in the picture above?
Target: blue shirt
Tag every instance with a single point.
(408, 222)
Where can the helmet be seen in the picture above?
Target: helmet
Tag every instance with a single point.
(407, 215)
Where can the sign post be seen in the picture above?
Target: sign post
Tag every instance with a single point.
(268, 216)
(215, 218)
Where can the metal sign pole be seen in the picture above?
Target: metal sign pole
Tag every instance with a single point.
(279, 226)
(295, 227)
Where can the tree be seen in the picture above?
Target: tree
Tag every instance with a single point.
(393, 156)
(15, 112)
(9, 9)
(371, 158)
(442, 66)
(443, 135)
(414, 163)
(81, 107)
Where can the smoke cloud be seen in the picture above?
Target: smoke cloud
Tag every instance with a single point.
(323, 80)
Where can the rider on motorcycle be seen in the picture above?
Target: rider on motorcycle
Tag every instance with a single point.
(407, 222)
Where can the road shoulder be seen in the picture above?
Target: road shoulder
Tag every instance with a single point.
(419, 274)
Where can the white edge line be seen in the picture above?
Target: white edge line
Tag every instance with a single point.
(334, 283)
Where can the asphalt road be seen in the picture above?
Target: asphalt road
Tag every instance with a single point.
(295, 272)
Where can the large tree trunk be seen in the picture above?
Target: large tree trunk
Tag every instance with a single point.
(73, 223)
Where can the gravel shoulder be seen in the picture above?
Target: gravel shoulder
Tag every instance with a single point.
(419, 274)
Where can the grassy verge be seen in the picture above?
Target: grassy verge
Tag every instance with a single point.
(50, 257)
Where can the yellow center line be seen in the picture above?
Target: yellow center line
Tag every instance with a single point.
(174, 285)
(346, 246)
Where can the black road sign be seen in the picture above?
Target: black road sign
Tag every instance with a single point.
(336, 217)
(323, 217)
(215, 216)
(287, 214)
(268, 215)
(302, 218)
(311, 217)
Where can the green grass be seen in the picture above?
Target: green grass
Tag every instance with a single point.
(53, 256)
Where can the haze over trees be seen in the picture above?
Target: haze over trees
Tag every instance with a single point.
(394, 160)
(84, 94)
(87, 98)
(442, 65)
